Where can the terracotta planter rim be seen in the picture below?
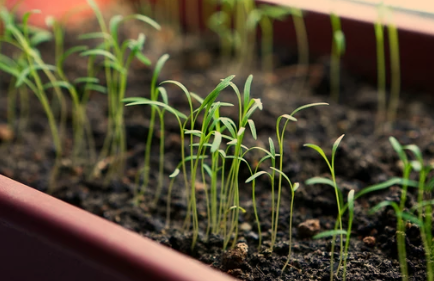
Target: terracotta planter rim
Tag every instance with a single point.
(364, 12)
(92, 239)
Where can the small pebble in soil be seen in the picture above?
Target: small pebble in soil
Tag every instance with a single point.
(235, 257)
(245, 226)
(308, 228)
(6, 134)
(369, 241)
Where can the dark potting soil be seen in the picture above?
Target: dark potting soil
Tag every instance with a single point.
(363, 159)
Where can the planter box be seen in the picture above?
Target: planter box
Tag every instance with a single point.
(43, 238)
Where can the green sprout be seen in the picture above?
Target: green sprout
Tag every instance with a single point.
(264, 16)
(81, 126)
(395, 76)
(381, 70)
(28, 75)
(423, 219)
(339, 200)
(335, 232)
(338, 49)
(155, 91)
(117, 58)
(302, 47)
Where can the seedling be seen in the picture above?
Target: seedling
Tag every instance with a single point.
(339, 199)
(28, 74)
(117, 59)
(302, 48)
(395, 76)
(338, 49)
(381, 70)
(423, 219)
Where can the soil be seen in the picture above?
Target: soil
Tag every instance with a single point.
(363, 159)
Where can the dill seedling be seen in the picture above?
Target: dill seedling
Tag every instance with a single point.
(339, 200)
(423, 219)
(395, 76)
(155, 91)
(381, 70)
(264, 16)
(117, 59)
(25, 40)
(302, 48)
(338, 49)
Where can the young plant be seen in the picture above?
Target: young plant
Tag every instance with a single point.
(82, 133)
(206, 110)
(264, 16)
(246, 107)
(338, 49)
(25, 39)
(423, 219)
(339, 199)
(117, 58)
(271, 154)
(155, 91)
(302, 48)
(347, 233)
(395, 74)
(381, 71)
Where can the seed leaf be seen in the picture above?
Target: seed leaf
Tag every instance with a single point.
(330, 233)
(257, 174)
(320, 180)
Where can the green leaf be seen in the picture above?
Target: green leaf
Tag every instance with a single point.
(399, 149)
(142, 58)
(237, 207)
(413, 219)
(217, 141)
(416, 151)
(339, 39)
(285, 176)
(144, 19)
(143, 101)
(214, 93)
(163, 95)
(252, 128)
(230, 125)
(257, 174)
(97, 88)
(307, 106)
(99, 52)
(182, 87)
(55, 84)
(86, 80)
(23, 75)
(40, 37)
(351, 201)
(320, 180)
(272, 149)
(385, 204)
(330, 233)
(114, 26)
(289, 117)
(175, 173)
(319, 150)
(95, 35)
(336, 144)
(247, 87)
(296, 186)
